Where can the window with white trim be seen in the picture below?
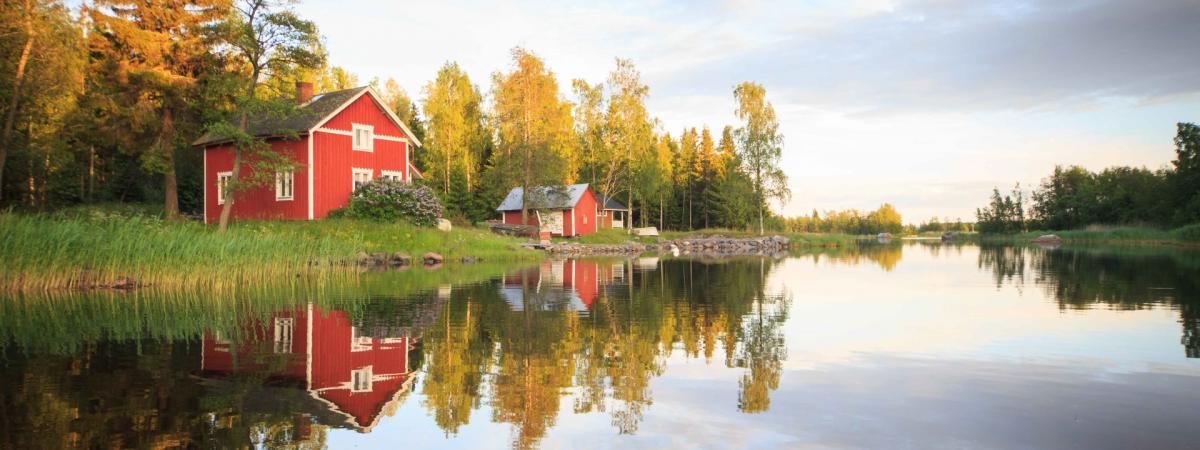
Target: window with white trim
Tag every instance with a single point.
(364, 137)
(223, 179)
(360, 380)
(283, 334)
(285, 183)
(361, 177)
(394, 175)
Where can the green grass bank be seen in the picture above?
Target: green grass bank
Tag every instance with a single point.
(78, 249)
(96, 245)
(1188, 236)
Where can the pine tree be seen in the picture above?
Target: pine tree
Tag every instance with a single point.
(156, 51)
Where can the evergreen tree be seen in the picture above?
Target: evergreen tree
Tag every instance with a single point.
(154, 52)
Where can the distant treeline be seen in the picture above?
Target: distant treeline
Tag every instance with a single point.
(1074, 197)
(851, 221)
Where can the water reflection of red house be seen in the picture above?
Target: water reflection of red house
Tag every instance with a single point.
(569, 284)
(354, 372)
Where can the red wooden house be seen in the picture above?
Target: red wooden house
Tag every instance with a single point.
(564, 210)
(339, 140)
(354, 373)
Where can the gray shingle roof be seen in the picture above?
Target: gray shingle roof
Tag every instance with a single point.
(611, 203)
(301, 121)
(545, 197)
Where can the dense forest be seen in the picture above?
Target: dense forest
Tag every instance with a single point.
(1074, 197)
(100, 104)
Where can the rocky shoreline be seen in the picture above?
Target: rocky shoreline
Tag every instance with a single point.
(696, 245)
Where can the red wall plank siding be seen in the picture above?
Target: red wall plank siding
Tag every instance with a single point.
(514, 218)
(585, 213)
(258, 202)
(334, 360)
(334, 356)
(583, 221)
(335, 158)
(365, 111)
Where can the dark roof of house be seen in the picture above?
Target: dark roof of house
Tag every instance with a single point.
(545, 197)
(303, 119)
(611, 203)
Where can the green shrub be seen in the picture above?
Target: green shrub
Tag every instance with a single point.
(1188, 232)
(388, 200)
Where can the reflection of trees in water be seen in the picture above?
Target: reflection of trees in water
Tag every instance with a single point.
(1006, 262)
(144, 394)
(886, 256)
(477, 348)
(605, 357)
(1125, 278)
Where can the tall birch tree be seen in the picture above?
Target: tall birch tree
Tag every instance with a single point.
(760, 145)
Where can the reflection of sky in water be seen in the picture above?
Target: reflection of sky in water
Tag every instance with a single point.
(930, 353)
(945, 306)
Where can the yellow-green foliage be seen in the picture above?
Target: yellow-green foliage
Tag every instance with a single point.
(42, 251)
(796, 239)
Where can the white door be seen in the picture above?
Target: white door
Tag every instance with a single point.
(551, 221)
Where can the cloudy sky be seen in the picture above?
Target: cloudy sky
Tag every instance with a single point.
(926, 104)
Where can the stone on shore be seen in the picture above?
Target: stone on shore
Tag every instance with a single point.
(432, 258)
(1048, 239)
(401, 259)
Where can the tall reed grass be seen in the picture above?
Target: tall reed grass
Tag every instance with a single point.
(40, 251)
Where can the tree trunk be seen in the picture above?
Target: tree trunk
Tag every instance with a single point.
(660, 210)
(526, 174)
(91, 184)
(166, 141)
(760, 218)
(18, 83)
(223, 222)
(630, 219)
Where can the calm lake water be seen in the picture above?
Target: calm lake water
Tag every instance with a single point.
(916, 345)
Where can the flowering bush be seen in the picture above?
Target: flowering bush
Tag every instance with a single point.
(384, 199)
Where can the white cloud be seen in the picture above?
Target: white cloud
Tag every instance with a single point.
(925, 104)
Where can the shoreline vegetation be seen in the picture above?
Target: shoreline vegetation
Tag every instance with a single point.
(1186, 236)
(130, 246)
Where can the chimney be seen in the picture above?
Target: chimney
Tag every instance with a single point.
(303, 92)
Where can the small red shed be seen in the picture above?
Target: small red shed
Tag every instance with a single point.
(338, 139)
(563, 210)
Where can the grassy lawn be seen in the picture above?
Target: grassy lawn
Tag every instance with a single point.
(53, 250)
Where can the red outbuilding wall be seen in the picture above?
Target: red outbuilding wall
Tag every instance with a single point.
(585, 213)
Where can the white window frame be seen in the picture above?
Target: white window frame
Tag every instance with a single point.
(370, 173)
(367, 145)
(228, 176)
(284, 330)
(394, 175)
(362, 374)
(280, 178)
